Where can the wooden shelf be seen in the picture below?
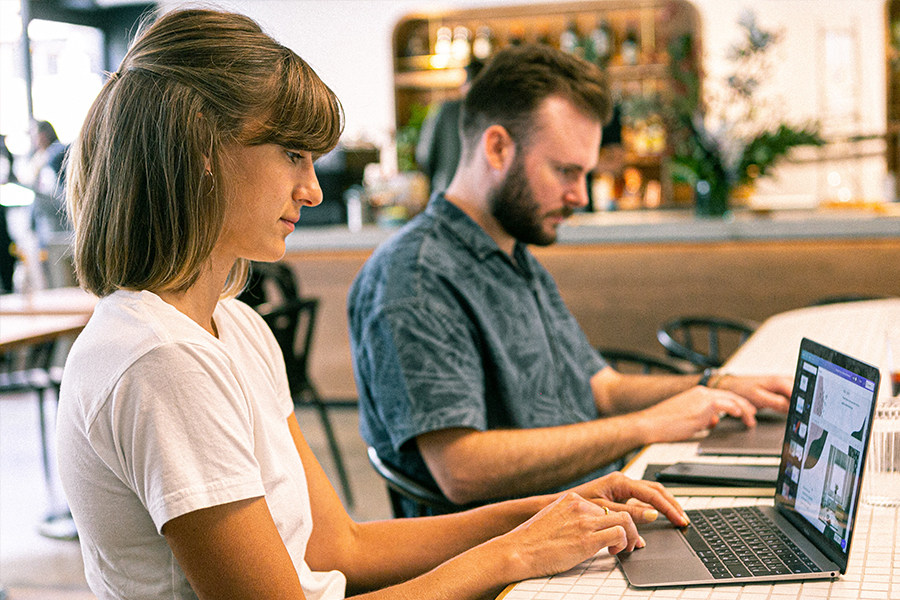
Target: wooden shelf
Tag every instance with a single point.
(657, 23)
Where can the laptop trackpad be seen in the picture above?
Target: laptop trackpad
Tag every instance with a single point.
(666, 558)
(663, 542)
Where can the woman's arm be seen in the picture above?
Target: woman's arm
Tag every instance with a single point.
(465, 555)
(234, 550)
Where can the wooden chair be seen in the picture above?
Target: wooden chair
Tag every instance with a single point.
(702, 340)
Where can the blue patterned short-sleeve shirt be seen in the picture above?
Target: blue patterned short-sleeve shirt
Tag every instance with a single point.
(448, 331)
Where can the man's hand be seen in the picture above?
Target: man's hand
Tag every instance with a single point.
(687, 413)
(773, 392)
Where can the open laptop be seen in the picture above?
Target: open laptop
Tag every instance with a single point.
(819, 480)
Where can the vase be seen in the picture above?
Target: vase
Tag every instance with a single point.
(711, 198)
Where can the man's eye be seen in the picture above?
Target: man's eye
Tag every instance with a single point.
(570, 173)
(294, 156)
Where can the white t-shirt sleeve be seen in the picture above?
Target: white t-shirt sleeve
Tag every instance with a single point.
(185, 432)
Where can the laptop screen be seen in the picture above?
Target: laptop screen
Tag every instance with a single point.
(824, 451)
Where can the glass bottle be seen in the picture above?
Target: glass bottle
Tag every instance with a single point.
(568, 39)
(602, 42)
(631, 47)
(483, 44)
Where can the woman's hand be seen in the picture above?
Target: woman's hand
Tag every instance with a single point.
(642, 500)
(568, 531)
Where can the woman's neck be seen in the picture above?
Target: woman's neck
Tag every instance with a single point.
(199, 301)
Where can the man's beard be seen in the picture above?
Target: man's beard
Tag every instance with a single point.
(514, 207)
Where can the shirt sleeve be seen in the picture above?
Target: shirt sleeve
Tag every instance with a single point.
(426, 369)
(185, 432)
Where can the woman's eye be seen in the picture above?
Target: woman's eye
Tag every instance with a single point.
(295, 157)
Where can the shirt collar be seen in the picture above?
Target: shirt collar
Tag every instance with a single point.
(472, 235)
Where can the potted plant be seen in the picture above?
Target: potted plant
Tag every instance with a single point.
(744, 145)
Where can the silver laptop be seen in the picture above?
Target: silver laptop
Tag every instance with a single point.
(807, 534)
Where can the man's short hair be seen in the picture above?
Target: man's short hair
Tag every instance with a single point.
(518, 79)
(145, 179)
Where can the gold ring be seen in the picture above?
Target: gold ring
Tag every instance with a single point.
(605, 509)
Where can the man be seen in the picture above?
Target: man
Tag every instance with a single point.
(472, 373)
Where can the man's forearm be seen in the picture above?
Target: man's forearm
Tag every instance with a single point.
(617, 393)
(474, 466)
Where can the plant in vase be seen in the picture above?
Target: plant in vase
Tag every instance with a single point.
(745, 142)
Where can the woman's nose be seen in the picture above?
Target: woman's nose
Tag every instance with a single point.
(307, 191)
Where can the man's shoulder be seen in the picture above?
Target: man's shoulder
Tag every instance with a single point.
(409, 267)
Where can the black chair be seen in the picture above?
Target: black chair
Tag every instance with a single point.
(31, 370)
(293, 324)
(704, 341)
(400, 485)
(270, 283)
(631, 361)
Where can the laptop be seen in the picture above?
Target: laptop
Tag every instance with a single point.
(732, 438)
(816, 495)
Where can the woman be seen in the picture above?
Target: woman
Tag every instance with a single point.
(183, 463)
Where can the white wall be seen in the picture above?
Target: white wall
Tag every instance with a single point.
(348, 42)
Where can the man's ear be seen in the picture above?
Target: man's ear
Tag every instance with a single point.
(499, 148)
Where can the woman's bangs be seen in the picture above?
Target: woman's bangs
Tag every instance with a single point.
(308, 115)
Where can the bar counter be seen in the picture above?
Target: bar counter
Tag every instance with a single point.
(623, 274)
(660, 226)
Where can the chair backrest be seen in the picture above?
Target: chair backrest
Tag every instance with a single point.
(631, 361)
(702, 340)
(270, 283)
(293, 324)
(400, 485)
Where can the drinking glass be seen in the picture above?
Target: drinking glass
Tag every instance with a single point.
(881, 484)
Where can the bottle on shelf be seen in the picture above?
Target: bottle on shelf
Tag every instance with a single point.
(631, 193)
(568, 39)
(442, 48)
(603, 191)
(516, 34)
(459, 47)
(601, 42)
(444, 41)
(631, 47)
(483, 44)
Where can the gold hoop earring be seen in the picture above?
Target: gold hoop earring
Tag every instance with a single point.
(212, 180)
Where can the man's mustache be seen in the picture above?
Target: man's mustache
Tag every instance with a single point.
(564, 212)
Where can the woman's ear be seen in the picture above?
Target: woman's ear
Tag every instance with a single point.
(499, 148)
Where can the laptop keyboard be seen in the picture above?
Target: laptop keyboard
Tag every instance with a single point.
(742, 542)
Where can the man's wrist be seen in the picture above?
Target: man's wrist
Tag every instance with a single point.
(712, 378)
(706, 376)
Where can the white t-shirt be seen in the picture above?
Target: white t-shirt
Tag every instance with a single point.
(158, 418)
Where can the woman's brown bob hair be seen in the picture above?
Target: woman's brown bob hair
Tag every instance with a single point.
(144, 184)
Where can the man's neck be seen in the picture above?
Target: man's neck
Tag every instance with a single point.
(477, 211)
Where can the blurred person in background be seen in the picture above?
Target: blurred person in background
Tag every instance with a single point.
(439, 146)
(7, 256)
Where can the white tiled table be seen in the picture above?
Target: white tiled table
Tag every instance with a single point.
(874, 570)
